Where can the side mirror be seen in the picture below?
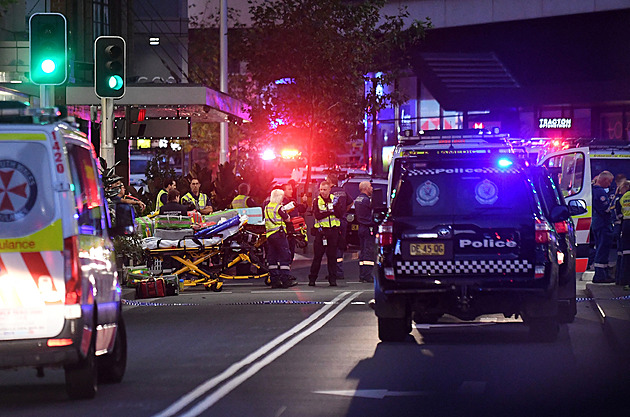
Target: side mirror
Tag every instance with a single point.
(559, 214)
(125, 220)
(577, 207)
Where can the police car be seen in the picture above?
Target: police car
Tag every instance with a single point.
(473, 228)
(60, 300)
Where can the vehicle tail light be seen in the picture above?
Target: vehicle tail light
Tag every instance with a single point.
(385, 234)
(543, 231)
(561, 227)
(72, 270)
(389, 274)
(59, 342)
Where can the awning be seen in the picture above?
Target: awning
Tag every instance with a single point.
(198, 102)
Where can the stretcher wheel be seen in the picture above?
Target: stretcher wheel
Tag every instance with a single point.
(267, 280)
(215, 286)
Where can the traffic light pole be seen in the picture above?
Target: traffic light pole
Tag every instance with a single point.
(107, 131)
(46, 96)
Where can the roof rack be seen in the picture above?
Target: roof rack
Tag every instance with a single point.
(478, 136)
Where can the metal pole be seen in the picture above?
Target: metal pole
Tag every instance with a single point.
(224, 77)
(46, 96)
(107, 131)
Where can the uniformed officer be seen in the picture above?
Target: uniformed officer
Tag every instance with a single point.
(344, 204)
(162, 197)
(363, 213)
(601, 226)
(196, 199)
(326, 212)
(623, 268)
(278, 255)
(243, 200)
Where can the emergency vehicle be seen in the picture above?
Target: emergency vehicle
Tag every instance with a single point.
(60, 299)
(473, 228)
(574, 163)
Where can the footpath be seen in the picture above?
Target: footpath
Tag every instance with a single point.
(612, 304)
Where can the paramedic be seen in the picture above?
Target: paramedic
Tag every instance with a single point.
(294, 210)
(602, 224)
(326, 211)
(278, 255)
(243, 200)
(344, 204)
(197, 200)
(363, 213)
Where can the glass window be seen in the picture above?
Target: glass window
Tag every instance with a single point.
(86, 191)
(568, 172)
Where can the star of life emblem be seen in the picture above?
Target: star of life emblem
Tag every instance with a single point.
(18, 190)
(486, 192)
(427, 194)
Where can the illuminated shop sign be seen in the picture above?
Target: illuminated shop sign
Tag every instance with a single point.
(554, 123)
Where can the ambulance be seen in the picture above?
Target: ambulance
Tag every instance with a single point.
(60, 299)
(575, 162)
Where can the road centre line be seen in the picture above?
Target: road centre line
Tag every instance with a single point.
(188, 398)
(238, 380)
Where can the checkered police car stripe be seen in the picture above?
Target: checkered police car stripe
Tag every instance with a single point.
(487, 170)
(508, 266)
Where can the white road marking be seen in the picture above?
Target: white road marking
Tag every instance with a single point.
(374, 393)
(283, 291)
(263, 351)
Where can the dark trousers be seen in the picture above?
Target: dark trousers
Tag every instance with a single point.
(278, 257)
(331, 235)
(341, 245)
(603, 242)
(367, 255)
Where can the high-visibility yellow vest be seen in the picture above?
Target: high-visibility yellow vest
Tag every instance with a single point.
(159, 203)
(199, 204)
(240, 201)
(329, 221)
(625, 205)
(273, 221)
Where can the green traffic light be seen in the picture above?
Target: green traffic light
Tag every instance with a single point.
(48, 66)
(115, 82)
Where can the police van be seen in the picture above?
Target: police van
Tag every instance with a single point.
(473, 228)
(60, 299)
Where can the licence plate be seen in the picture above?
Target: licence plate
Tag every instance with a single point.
(354, 227)
(426, 249)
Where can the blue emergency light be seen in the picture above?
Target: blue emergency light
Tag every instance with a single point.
(504, 163)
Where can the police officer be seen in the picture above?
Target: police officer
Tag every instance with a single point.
(196, 199)
(278, 255)
(601, 226)
(243, 200)
(622, 276)
(344, 204)
(326, 211)
(162, 197)
(363, 213)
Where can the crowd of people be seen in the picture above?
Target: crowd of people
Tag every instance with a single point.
(329, 231)
(610, 224)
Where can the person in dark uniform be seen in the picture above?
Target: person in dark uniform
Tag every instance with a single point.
(363, 213)
(172, 205)
(344, 204)
(278, 255)
(602, 225)
(326, 212)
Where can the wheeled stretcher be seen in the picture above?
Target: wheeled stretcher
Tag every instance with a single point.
(231, 249)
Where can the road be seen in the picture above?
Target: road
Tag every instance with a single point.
(304, 351)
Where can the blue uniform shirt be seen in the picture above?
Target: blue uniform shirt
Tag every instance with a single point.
(602, 217)
(363, 210)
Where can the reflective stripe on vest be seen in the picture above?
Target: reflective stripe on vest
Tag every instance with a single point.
(159, 203)
(199, 204)
(240, 201)
(273, 221)
(625, 205)
(329, 221)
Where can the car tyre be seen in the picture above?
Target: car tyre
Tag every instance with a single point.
(81, 378)
(393, 329)
(567, 311)
(111, 367)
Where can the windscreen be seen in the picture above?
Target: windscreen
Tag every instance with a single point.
(461, 188)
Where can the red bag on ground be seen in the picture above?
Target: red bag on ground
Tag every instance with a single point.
(151, 288)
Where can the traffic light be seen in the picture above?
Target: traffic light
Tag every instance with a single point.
(48, 51)
(109, 66)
